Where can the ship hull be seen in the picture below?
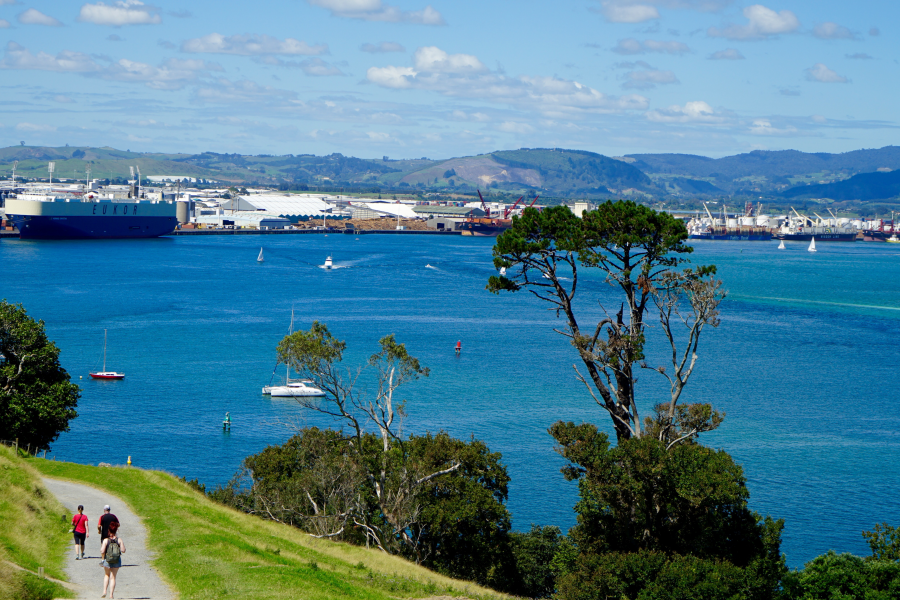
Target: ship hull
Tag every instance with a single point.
(735, 237)
(480, 229)
(820, 237)
(870, 235)
(90, 220)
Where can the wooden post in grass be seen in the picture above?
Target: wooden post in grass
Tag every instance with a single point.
(41, 572)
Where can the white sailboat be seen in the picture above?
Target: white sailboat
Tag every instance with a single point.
(260, 258)
(502, 271)
(292, 388)
(781, 245)
(812, 245)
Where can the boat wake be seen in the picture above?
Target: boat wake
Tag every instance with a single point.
(798, 301)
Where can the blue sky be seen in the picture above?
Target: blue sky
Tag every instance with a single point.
(413, 78)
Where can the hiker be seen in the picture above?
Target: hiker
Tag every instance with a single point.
(79, 530)
(104, 522)
(111, 550)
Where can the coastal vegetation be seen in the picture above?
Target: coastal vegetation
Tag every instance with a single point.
(37, 399)
(205, 550)
(33, 534)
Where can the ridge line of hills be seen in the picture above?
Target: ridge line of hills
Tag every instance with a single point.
(860, 175)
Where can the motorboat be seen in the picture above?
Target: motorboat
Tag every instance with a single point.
(328, 263)
(893, 239)
(293, 389)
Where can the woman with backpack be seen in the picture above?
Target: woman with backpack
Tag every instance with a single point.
(111, 551)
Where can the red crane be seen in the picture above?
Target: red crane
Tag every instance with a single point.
(512, 208)
(533, 201)
(487, 211)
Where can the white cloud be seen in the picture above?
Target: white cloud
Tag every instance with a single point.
(34, 127)
(832, 31)
(312, 66)
(3, 2)
(123, 12)
(823, 74)
(765, 127)
(250, 45)
(638, 11)
(464, 76)
(514, 127)
(224, 91)
(375, 10)
(616, 12)
(762, 23)
(4, 24)
(727, 54)
(433, 59)
(633, 46)
(19, 57)
(35, 17)
(171, 75)
(382, 47)
(644, 76)
(477, 117)
(692, 112)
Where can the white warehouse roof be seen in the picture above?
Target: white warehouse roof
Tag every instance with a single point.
(389, 208)
(283, 204)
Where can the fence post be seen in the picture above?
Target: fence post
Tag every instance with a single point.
(17, 446)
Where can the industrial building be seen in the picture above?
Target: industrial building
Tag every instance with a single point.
(293, 207)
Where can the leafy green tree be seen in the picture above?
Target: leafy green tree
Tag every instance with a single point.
(534, 553)
(393, 479)
(884, 541)
(638, 251)
(318, 482)
(648, 508)
(835, 576)
(37, 400)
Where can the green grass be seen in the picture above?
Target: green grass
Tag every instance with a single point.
(205, 550)
(33, 534)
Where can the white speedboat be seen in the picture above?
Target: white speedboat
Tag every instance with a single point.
(893, 239)
(327, 264)
(293, 389)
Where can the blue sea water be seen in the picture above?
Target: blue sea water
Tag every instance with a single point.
(804, 362)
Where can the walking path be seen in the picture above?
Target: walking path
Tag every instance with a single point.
(137, 579)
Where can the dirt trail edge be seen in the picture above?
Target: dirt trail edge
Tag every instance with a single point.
(137, 578)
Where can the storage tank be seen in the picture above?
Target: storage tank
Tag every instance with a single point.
(843, 222)
(732, 223)
(762, 221)
(748, 221)
(181, 212)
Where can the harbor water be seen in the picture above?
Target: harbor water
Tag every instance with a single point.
(804, 362)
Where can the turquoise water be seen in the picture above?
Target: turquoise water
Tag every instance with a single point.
(804, 363)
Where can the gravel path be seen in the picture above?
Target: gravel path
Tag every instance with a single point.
(137, 579)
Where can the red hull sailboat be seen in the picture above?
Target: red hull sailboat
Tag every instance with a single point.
(104, 374)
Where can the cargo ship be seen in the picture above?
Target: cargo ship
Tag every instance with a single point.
(800, 233)
(484, 226)
(746, 234)
(50, 216)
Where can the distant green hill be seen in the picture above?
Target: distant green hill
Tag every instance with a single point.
(865, 186)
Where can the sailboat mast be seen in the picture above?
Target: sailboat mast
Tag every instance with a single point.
(104, 351)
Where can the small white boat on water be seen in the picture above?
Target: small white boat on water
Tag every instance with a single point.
(893, 239)
(812, 245)
(328, 263)
(260, 259)
(295, 388)
(781, 245)
(502, 271)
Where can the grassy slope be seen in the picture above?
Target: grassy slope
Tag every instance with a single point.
(33, 533)
(205, 550)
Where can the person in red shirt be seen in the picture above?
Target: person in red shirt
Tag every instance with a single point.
(79, 530)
